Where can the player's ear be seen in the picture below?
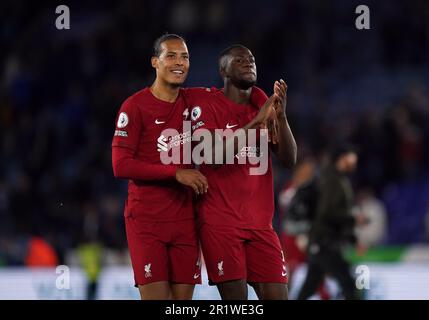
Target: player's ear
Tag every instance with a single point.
(154, 62)
(223, 64)
(222, 71)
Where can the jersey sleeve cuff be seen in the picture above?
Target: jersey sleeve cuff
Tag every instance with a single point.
(171, 171)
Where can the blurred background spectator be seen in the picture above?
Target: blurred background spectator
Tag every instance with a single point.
(372, 233)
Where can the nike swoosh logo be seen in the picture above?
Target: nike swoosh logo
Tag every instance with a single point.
(284, 274)
(159, 122)
(229, 127)
(196, 276)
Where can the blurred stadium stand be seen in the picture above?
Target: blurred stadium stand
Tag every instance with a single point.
(60, 91)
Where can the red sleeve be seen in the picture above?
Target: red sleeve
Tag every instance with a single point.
(203, 116)
(201, 111)
(126, 167)
(125, 143)
(129, 125)
(258, 97)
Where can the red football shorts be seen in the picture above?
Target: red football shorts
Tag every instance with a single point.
(164, 251)
(232, 253)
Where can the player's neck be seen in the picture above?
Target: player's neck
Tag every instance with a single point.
(237, 95)
(164, 91)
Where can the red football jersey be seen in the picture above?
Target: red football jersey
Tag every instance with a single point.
(234, 198)
(153, 193)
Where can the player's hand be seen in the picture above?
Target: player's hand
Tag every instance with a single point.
(266, 113)
(194, 179)
(280, 90)
(273, 129)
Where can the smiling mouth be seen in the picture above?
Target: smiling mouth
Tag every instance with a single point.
(178, 72)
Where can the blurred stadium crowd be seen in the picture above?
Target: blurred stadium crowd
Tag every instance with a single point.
(60, 91)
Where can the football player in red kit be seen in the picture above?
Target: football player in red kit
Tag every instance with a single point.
(235, 215)
(159, 215)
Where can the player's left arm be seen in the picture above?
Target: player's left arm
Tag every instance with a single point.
(285, 148)
(283, 143)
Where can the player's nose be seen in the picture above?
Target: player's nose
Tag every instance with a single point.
(248, 67)
(247, 63)
(180, 61)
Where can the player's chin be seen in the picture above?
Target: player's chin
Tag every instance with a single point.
(246, 83)
(249, 76)
(176, 82)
